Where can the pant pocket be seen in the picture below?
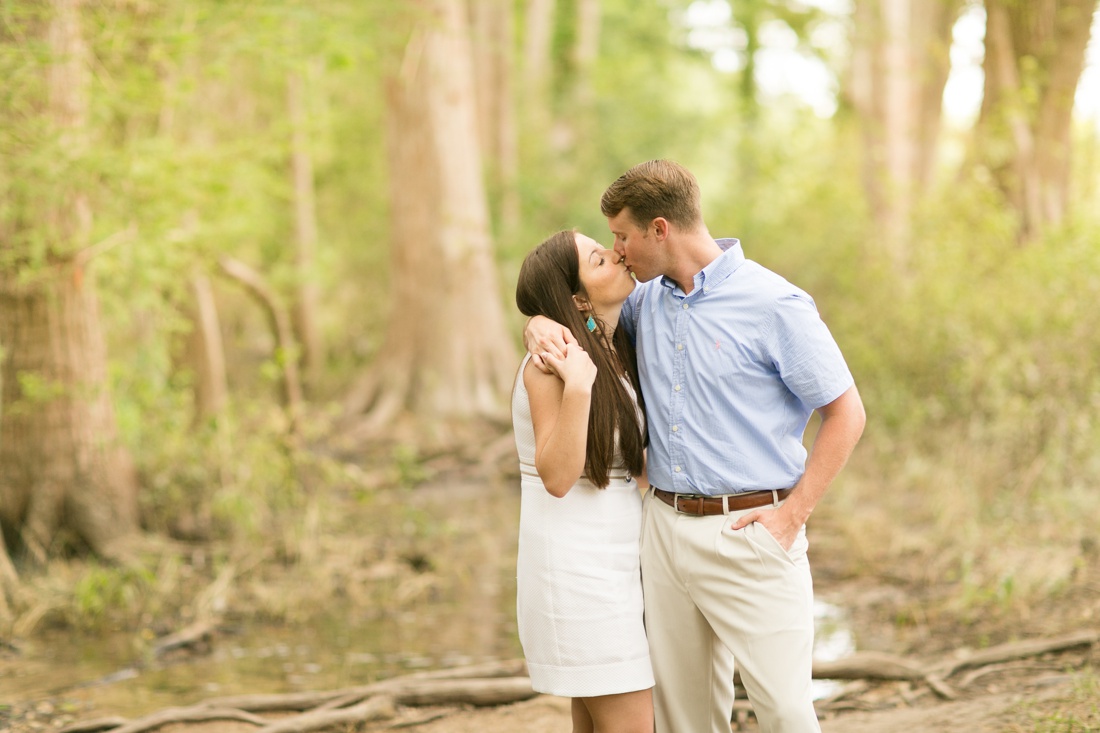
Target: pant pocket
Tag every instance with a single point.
(759, 535)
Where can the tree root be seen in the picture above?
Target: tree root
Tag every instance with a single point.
(502, 683)
(883, 667)
(497, 683)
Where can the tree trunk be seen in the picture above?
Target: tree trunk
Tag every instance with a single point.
(206, 354)
(537, 48)
(899, 68)
(1034, 55)
(567, 138)
(447, 351)
(305, 239)
(64, 479)
(494, 57)
(586, 48)
(279, 320)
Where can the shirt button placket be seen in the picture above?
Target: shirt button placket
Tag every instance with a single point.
(678, 372)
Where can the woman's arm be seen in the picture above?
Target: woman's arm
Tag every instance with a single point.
(559, 414)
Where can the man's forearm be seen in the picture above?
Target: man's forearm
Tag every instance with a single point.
(841, 427)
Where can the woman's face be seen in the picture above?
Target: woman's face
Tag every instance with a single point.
(603, 274)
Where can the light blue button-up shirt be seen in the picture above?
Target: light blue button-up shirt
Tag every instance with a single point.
(730, 374)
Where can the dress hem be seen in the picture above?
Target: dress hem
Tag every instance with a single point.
(593, 681)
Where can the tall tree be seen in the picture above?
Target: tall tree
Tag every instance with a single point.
(447, 351)
(305, 228)
(538, 48)
(64, 478)
(1034, 55)
(493, 36)
(900, 64)
(206, 352)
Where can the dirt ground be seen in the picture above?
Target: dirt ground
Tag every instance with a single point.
(1054, 692)
(1001, 712)
(1051, 693)
(1043, 704)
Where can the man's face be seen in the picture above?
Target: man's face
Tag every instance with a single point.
(635, 245)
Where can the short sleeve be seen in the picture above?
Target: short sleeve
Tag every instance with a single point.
(805, 353)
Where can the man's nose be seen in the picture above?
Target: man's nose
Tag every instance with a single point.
(620, 254)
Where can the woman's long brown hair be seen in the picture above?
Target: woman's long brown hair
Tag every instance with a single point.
(548, 280)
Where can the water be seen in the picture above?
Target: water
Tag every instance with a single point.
(833, 640)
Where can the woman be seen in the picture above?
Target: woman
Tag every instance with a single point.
(580, 433)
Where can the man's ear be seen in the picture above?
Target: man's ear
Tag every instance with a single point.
(660, 227)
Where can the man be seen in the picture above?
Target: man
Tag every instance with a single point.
(733, 361)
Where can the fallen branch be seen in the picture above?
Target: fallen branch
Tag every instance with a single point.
(180, 715)
(93, 726)
(377, 708)
(869, 666)
(1018, 650)
(350, 695)
(882, 666)
(188, 636)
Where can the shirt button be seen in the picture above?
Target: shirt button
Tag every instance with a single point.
(679, 347)
(685, 306)
(675, 428)
(706, 289)
(677, 388)
(677, 469)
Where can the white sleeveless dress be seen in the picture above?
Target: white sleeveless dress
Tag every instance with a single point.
(579, 589)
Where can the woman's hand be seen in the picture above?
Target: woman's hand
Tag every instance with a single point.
(577, 369)
(543, 335)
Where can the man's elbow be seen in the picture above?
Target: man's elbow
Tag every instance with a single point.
(857, 414)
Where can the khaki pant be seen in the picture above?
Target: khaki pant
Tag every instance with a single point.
(712, 596)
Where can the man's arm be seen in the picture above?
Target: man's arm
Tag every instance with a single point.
(541, 336)
(842, 422)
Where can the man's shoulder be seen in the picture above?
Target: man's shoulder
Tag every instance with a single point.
(765, 285)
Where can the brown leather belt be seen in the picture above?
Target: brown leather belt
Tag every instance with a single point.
(705, 506)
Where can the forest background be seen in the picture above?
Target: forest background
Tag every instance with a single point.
(257, 263)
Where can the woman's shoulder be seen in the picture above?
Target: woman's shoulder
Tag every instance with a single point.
(535, 378)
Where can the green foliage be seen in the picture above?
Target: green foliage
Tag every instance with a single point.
(977, 345)
(106, 593)
(408, 468)
(233, 478)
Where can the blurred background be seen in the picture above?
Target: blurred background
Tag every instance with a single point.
(257, 265)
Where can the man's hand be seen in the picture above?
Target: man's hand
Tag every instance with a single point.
(545, 336)
(781, 525)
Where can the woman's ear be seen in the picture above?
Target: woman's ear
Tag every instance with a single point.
(581, 303)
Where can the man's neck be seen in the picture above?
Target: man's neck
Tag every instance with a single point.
(693, 253)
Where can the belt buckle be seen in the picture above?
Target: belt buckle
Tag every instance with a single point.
(688, 497)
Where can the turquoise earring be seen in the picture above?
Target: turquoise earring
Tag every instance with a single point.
(590, 324)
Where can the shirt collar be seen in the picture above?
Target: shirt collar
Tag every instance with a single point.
(732, 257)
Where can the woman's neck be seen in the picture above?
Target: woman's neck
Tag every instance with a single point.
(609, 322)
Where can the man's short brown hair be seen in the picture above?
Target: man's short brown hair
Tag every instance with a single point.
(655, 188)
